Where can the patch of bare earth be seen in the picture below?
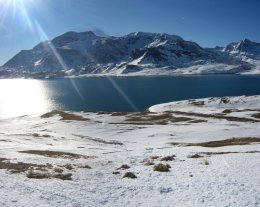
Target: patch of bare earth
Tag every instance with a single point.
(119, 113)
(65, 116)
(222, 143)
(57, 154)
(35, 171)
(43, 175)
(224, 153)
(18, 167)
(215, 116)
(198, 103)
(149, 118)
(32, 170)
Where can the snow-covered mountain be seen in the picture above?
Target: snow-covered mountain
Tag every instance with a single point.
(245, 46)
(246, 51)
(137, 53)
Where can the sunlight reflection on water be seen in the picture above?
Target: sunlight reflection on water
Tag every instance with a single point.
(21, 97)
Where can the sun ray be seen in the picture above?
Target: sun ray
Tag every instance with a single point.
(17, 9)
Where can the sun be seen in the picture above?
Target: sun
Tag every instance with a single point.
(14, 5)
(14, 2)
(11, 4)
(18, 9)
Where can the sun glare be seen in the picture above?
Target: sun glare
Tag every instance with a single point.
(18, 9)
(20, 97)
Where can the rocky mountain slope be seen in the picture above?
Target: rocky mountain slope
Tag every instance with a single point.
(134, 54)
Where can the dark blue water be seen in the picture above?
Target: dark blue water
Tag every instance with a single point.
(139, 93)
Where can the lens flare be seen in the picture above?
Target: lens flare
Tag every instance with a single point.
(18, 10)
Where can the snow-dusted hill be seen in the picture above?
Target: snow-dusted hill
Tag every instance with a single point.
(134, 54)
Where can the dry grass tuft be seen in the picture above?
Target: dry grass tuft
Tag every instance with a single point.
(85, 166)
(130, 175)
(227, 111)
(38, 175)
(155, 157)
(162, 167)
(257, 116)
(116, 173)
(58, 170)
(206, 162)
(168, 158)
(123, 167)
(147, 162)
(195, 156)
(60, 176)
(68, 167)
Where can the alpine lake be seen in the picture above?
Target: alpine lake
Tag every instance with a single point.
(19, 97)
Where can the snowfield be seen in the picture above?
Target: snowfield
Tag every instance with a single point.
(209, 149)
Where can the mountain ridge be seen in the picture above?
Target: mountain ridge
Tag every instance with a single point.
(137, 53)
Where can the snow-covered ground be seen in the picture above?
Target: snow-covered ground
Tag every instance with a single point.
(102, 142)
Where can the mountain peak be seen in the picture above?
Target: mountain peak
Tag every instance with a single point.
(247, 41)
(149, 34)
(89, 33)
(244, 46)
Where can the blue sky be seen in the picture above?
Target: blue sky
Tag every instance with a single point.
(207, 22)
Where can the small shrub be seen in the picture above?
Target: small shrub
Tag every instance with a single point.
(49, 165)
(37, 175)
(162, 167)
(154, 157)
(116, 173)
(195, 156)
(168, 158)
(63, 176)
(148, 162)
(58, 170)
(227, 111)
(130, 175)
(206, 162)
(68, 167)
(85, 166)
(257, 116)
(123, 167)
